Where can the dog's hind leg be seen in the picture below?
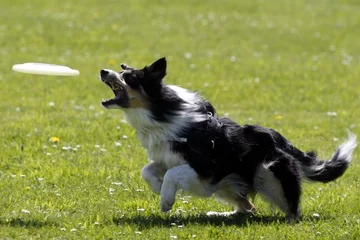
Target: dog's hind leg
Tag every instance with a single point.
(153, 174)
(185, 178)
(234, 191)
(242, 204)
(280, 182)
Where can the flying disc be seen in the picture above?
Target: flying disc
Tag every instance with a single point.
(45, 69)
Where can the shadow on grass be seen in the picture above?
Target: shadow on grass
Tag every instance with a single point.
(170, 221)
(143, 221)
(26, 223)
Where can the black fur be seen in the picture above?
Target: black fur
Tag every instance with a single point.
(241, 150)
(217, 152)
(218, 147)
(166, 104)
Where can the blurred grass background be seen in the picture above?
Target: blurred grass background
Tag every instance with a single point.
(289, 65)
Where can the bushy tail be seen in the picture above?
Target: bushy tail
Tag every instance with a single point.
(326, 171)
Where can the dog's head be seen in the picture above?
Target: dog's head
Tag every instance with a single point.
(134, 88)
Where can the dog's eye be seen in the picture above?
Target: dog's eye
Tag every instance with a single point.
(129, 77)
(131, 80)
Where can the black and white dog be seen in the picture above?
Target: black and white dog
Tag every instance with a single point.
(192, 149)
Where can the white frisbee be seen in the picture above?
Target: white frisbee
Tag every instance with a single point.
(45, 69)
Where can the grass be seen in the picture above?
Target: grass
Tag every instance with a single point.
(282, 64)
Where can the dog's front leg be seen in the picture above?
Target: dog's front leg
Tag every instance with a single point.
(182, 177)
(153, 174)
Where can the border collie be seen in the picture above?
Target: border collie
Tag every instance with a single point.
(192, 149)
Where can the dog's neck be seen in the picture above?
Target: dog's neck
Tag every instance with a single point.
(141, 120)
(144, 123)
(175, 122)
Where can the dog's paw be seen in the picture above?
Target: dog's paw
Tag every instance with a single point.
(221, 214)
(166, 205)
(243, 211)
(293, 218)
(156, 187)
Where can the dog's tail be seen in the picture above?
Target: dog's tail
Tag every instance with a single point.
(318, 170)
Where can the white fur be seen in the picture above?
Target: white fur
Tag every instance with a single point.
(312, 170)
(182, 177)
(155, 136)
(270, 187)
(344, 153)
(347, 148)
(168, 171)
(153, 173)
(185, 94)
(191, 99)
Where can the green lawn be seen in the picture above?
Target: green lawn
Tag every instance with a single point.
(283, 64)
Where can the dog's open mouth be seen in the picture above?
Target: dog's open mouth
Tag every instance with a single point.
(120, 93)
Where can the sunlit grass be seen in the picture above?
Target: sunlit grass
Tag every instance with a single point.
(70, 169)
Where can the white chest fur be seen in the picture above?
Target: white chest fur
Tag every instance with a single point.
(154, 138)
(159, 150)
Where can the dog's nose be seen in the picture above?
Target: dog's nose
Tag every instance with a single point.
(104, 73)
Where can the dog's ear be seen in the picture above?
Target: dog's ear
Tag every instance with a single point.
(124, 66)
(157, 70)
